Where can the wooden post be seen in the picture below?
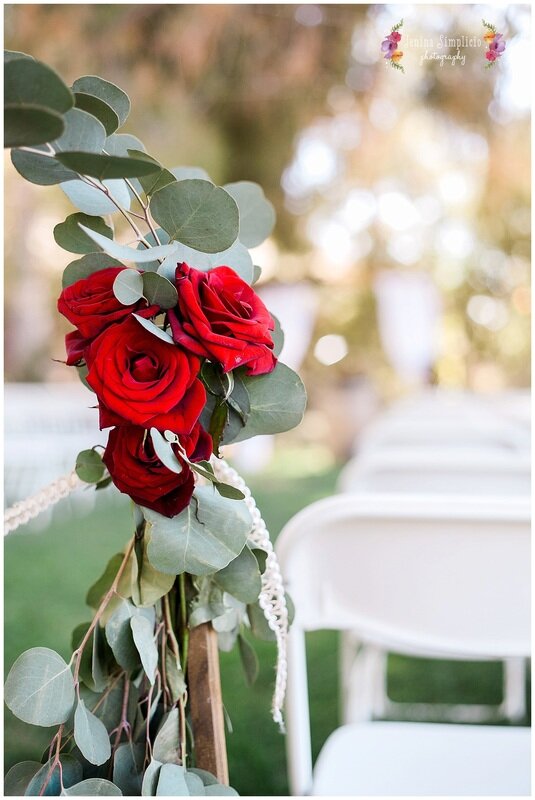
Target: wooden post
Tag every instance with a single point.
(206, 702)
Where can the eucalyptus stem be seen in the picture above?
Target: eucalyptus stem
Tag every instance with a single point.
(145, 207)
(77, 655)
(56, 762)
(103, 188)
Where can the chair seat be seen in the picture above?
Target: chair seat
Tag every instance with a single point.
(396, 758)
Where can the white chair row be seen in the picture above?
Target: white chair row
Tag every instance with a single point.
(443, 575)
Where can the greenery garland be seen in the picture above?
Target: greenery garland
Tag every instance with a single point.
(183, 358)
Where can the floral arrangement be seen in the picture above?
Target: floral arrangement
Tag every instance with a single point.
(389, 47)
(495, 44)
(182, 357)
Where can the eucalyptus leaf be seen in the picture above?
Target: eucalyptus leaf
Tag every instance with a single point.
(148, 584)
(86, 266)
(257, 272)
(94, 201)
(19, 776)
(91, 735)
(40, 688)
(42, 170)
(72, 238)
(159, 291)
(203, 538)
(218, 790)
(241, 578)
(187, 173)
(249, 660)
(125, 253)
(104, 167)
(158, 179)
(154, 329)
(89, 466)
(206, 777)
(128, 768)
(237, 257)
(164, 451)
(278, 401)
(118, 144)
(96, 592)
(106, 91)
(175, 676)
(30, 125)
(29, 82)
(143, 633)
(257, 215)
(194, 784)
(128, 286)
(13, 55)
(198, 214)
(172, 781)
(261, 558)
(150, 779)
(98, 109)
(278, 336)
(166, 747)
(119, 632)
(92, 787)
(47, 784)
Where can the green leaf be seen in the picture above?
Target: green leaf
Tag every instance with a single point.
(187, 173)
(13, 55)
(159, 291)
(150, 779)
(69, 235)
(118, 144)
(237, 257)
(218, 790)
(103, 166)
(166, 746)
(206, 777)
(71, 773)
(226, 490)
(128, 287)
(143, 633)
(148, 585)
(261, 558)
(154, 329)
(198, 214)
(278, 336)
(92, 787)
(87, 265)
(119, 632)
(42, 170)
(257, 271)
(194, 784)
(241, 578)
(94, 201)
(128, 768)
(172, 781)
(19, 776)
(91, 735)
(164, 451)
(29, 125)
(40, 688)
(257, 215)
(249, 660)
(98, 109)
(259, 624)
(203, 538)
(175, 676)
(29, 82)
(89, 466)
(106, 91)
(97, 591)
(125, 253)
(278, 402)
(158, 179)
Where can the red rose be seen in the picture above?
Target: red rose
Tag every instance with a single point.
(141, 379)
(75, 345)
(91, 305)
(197, 444)
(137, 471)
(221, 318)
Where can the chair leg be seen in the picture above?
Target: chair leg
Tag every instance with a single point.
(514, 689)
(366, 696)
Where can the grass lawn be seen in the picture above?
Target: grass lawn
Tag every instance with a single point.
(46, 578)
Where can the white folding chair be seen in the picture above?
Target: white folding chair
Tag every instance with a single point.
(444, 574)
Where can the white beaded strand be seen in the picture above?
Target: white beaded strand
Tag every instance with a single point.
(25, 510)
(272, 598)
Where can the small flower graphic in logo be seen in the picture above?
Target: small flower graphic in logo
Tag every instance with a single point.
(389, 47)
(495, 44)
